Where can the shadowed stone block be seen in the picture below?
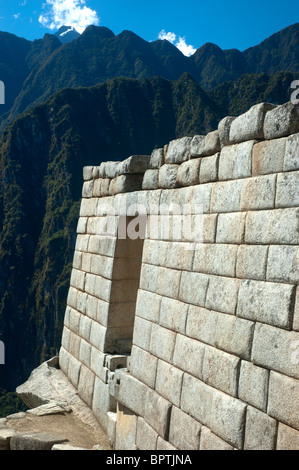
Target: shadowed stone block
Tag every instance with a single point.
(224, 130)
(282, 120)
(283, 403)
(135, 164)
(178, 150)
(260, 432)
(184, 431)
(188, 173)
(291, 158)
(253, 385)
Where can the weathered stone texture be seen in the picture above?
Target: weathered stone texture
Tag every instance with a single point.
(250, 125)
(282, 120)
(235, 161)
(184, 431)
(260, 432)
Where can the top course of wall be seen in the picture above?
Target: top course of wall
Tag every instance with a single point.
(241, 147)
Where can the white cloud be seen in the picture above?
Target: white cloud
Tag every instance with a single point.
(179, 42)
(68, 12)
(184, 48)
(16, 16)
(171, 37)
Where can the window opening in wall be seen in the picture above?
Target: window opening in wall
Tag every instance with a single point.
(125, 284)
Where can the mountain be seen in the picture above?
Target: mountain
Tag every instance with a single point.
(67, 110)
(46, 66)
(42, 154)
(67, 34)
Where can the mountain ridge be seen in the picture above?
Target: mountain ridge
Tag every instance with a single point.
(98, 55)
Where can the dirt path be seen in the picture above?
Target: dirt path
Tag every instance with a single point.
(65, 425)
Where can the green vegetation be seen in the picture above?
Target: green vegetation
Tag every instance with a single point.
(10, 403)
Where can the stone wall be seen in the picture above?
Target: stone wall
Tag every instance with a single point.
(182, 345)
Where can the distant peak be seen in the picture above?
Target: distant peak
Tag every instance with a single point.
(67, 34)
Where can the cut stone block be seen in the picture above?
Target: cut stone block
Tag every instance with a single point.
(211, 144)
(157, 158)
(252, 262)
(193, 288)
(87, 173)
(173, 314)
(209, 441)
(125, 183)
(279, 226)
(223, 414)
(150, 179)
(126, 428)
(143, 366)
(189, 355)
(253, 385)
(222, 294)
(226, 196)
(250, 125)
(291, 158)
(234, 335)
(209, 169)
(235, 161)
(5, 438)
(178, 150)
(266, 302)
(136, 164)
(215, 259)
(221, 370)
(283, 264)
(146, 438)
(287, 438)
(287, 194)
(169, 382)
(258, 193)
(224, 130)
(201, 324)
(276, 349)
(34, 441)
(168, 176)
(157, 412)
(184, 431)
(281, 121)
(86, 385)
(196, 145)
(109, 169)
(260, 432)
(268, 157)
(188, 173)
(148, 306)
(102, 402)
(164, 445)
(162, 342)
(87, 190)
(132, 393)
(283, 403)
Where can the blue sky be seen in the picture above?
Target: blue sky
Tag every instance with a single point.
(187, 23)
